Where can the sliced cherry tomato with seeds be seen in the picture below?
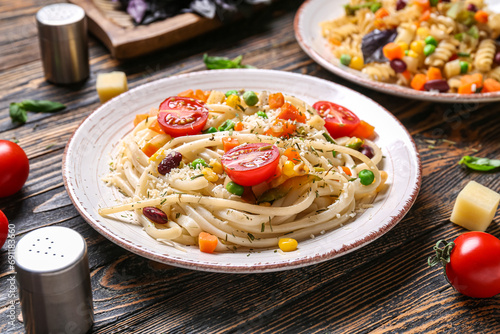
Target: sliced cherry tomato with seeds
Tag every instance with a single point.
(182, 116)
(339, 121)
(251, 164)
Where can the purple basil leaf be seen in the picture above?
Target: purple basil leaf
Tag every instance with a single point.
(137, 9)
(373, 42)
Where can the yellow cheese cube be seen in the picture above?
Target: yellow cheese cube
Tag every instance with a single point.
(475, 207)
(110, 85)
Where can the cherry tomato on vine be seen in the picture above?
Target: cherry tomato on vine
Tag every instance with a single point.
(182, 116)
(4, 228)
(251, 164)
(14, 168)
(472, 264)
(339, 121)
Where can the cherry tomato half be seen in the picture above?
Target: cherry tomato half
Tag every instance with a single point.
(14, 168)
(251, 164)
(340, 121)
(4, 228)
(182, 116)
(474, 267)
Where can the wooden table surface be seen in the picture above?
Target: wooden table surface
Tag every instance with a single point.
(384, 287)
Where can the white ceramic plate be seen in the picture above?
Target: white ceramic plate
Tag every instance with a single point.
(308, 35)
(87, 157)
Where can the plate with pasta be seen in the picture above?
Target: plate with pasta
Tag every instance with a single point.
(241, 170)
(436, 50)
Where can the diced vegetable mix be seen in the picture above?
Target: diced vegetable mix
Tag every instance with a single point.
(414, 49)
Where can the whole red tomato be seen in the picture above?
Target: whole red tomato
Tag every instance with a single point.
(473, 266)
(14, 168)
(4, 228)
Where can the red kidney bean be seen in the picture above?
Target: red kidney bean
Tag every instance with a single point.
(497, 58)
(439, 85)
(400, 4)
(472, 8)
(398, 65)
(155, 215)
(171, 161)
(367, 150)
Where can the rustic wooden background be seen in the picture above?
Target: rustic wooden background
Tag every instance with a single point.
(385, 287)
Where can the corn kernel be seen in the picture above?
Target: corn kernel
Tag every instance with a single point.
(417, 46)
(288, 168)
(383, 178)
(412, 54)
(357, 63)
(216, 166)
(423, 32)
(287, 244)
(403, 45)
(209, 174)
(233, 100)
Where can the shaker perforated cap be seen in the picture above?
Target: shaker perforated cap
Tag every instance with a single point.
(54, 280)
(62, 31)
(49, 257)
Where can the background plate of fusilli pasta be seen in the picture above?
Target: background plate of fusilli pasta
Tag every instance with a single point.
(310, 36)
(98, 136)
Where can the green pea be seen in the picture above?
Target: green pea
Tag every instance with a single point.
(227, 125)
(429, 49)
(262, 114)
(366, 177)
(345, 59)
(429, 40)
(464, 67)
(407, 52)
(235, 188)
(250, 98)
(210, 130)
(463, 54)
(231, 92)
(198, 162)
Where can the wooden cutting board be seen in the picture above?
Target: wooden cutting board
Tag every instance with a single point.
(115, 29)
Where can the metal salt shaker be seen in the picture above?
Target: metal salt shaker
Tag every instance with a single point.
(62, 32)
(54, 281)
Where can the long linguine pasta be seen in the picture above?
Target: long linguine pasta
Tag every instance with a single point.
(316, 195)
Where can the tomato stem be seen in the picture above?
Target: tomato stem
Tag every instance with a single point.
(442, 253)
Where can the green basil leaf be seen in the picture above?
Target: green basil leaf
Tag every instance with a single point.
(17, 113)
(42, 105)
(479, 164)
(217, 63)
